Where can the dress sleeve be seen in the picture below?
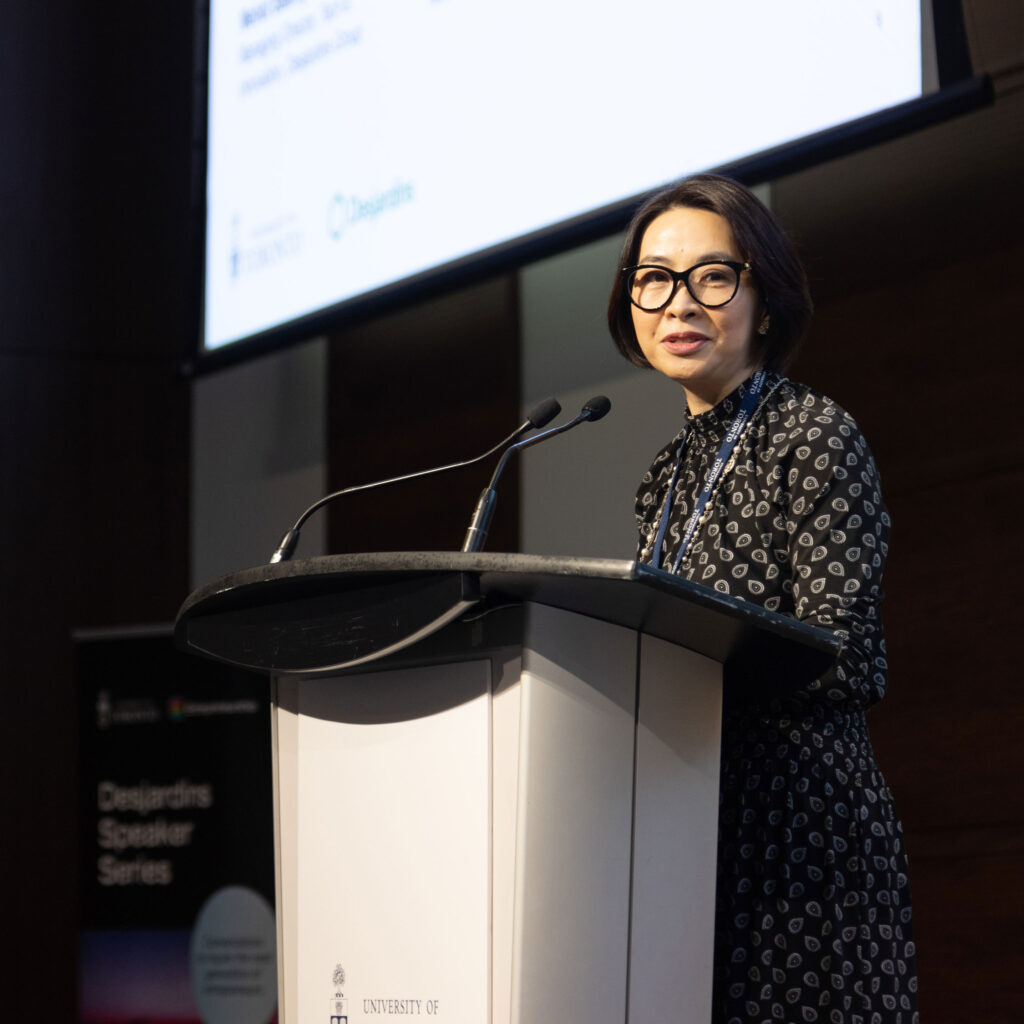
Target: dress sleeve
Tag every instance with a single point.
(838, 538)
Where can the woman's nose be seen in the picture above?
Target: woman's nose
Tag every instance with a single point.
(682, 302)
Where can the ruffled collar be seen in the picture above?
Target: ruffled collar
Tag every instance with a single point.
(712, 426)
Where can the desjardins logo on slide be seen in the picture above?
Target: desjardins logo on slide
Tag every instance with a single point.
(345, 211)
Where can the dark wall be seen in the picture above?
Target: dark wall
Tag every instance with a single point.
(936, 400)
(94, 184)
(38, 737)
(96, 311)
(917, 333)
(422, 387)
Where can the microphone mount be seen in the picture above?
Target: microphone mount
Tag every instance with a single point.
(540, 415)
(476, 535)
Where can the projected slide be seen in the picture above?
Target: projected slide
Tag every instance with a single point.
(353, 143)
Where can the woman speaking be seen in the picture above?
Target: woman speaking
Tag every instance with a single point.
(769, 493)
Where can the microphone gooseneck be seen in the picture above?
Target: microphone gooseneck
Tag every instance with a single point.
(540, 415)
(476, 535)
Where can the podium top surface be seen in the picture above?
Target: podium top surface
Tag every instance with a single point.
(321, 615)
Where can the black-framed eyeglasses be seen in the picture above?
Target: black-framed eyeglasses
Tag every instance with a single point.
(712, 283)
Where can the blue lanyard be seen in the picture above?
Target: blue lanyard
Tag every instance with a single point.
(739, 424)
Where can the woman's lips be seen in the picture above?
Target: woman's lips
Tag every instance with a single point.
(683, 344)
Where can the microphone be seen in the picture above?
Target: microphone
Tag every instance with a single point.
(540, 415)
(592, 410)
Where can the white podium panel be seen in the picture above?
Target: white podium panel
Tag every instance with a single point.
(679, 725)
(384, 826)
(575, 798)
(525, 836)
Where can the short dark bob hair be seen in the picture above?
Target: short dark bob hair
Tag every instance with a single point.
(762, 243)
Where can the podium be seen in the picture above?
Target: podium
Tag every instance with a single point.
(496, 778)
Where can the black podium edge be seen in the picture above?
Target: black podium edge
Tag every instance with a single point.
(418, 593)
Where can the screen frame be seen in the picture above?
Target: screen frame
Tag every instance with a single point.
(958, 92)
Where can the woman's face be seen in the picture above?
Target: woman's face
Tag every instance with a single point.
(708, 351)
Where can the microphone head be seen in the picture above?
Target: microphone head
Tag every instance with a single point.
(597, 407)
(544, 412)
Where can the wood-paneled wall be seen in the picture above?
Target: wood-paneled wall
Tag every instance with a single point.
(94, 306)
(425, 386)
(929, 362)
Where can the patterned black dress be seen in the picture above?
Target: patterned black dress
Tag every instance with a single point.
(813, 919)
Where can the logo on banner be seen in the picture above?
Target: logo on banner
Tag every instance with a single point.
(104, 709)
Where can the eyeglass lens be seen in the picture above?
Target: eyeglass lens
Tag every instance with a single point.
(711, 284)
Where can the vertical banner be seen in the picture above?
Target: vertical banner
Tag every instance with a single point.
(177, 838)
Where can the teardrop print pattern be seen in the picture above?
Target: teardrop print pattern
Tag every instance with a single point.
(813, 916)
